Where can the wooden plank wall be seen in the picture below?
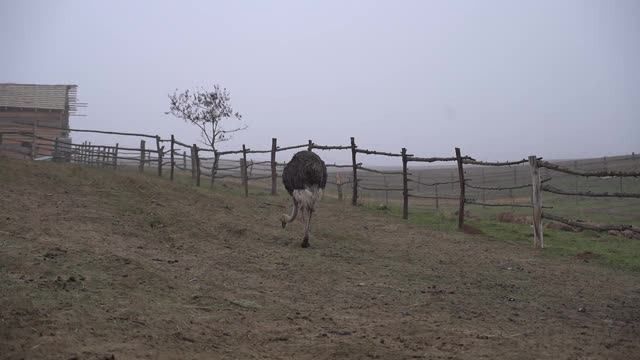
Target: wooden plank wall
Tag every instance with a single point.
(17, 145)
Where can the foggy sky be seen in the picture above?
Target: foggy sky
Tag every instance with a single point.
(500, 79)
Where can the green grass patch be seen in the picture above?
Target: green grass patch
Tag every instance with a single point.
(603, 248)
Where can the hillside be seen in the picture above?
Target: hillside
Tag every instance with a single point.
(97, 264)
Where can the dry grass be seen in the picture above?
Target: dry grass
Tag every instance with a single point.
(97, 264)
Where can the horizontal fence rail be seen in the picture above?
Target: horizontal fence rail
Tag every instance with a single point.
(168, 157)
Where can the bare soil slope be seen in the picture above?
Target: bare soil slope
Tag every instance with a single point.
(96, 264)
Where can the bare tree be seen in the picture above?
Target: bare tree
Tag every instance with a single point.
(206, 109)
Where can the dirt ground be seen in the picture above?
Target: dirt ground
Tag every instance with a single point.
(96, 264)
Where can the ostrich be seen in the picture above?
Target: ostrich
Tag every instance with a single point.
(304, 177)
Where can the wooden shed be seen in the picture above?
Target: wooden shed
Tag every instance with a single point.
(33, 116)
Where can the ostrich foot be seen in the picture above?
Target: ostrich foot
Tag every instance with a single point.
(305, 243)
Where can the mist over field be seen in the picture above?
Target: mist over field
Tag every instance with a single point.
(500, 79)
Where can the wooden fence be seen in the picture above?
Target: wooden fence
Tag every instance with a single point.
(171, 154)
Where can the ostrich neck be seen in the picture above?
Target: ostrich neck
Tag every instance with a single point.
(294, 212)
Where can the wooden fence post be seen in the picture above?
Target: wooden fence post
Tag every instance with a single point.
(143, 155)
(604, 160)
(437, 199)
(214, 167)
(635, 160)
(90, 154)
(243, 173)
(99, 156)
(159, 149)
(193, 164)
(354, 184)
(245, 177)
(620, 178)
(339, 185)
(405, 186)
(173, 160)
(461, 180)
(310, 147)
(196, 163)
(536, 201)
(274, 170)
(115, 156)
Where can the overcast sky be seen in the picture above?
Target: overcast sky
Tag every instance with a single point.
(500, 79)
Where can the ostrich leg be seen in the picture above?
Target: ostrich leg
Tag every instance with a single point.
(307, 226)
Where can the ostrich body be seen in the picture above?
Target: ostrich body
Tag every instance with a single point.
(304, 177)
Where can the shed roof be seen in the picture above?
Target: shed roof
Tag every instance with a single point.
(32, 96)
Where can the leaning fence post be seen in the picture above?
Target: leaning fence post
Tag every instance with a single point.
(115, 156)
(354, 196)
(173, 162)
(405, 186)
(245, 178)
(159, 149)
(142, 155)
(461, 180)
(536, 201)
(274, 171)
(196, 163)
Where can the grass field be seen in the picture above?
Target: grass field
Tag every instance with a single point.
(101, 264)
